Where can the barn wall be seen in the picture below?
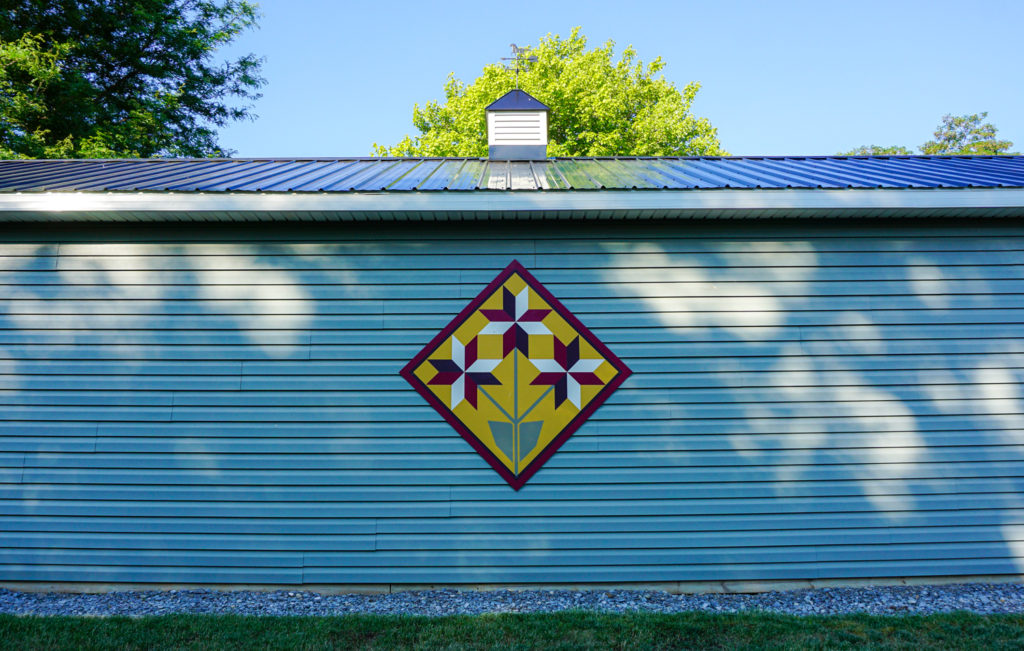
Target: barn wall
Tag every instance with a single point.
(196, 404)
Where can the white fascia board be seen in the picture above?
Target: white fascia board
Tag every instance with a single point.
(663, 201)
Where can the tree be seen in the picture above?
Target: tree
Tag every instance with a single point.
(599, 107)
(957, 135)
(878, 150)
(965, 134)
(106, 78)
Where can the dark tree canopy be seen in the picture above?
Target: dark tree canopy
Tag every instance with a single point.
(97, 78)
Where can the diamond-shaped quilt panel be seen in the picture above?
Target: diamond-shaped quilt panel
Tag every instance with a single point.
(515, 373)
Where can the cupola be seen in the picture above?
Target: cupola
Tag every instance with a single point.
(517, 127)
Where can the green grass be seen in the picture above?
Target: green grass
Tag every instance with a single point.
(569, 630)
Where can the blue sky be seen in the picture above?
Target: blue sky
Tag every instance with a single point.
(778, 77)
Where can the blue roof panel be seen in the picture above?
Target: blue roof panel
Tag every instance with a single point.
(475, 174)
(517, 100)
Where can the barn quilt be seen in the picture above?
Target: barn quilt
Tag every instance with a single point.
(515, 373)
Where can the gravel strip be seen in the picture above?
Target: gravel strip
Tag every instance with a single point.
(888, 600)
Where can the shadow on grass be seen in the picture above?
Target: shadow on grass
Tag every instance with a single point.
(568, 630)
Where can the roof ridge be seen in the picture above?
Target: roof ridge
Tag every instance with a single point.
(347, 159)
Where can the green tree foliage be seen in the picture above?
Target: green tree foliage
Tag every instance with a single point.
(965, 134)
(877, 150)
(957, 135)
(599, 107)
(105, 78)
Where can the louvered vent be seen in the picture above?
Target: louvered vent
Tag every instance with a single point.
(514, 128)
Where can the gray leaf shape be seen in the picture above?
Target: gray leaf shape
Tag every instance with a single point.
(502, 433)
(529, 434)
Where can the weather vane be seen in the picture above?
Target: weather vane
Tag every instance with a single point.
(519, 57)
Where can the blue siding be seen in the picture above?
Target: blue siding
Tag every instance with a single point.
(224, 406)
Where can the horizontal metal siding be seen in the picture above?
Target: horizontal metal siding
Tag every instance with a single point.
(807, 402)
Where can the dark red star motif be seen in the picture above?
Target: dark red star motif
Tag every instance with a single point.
(515, 322)
(566, 372)
(464, 372)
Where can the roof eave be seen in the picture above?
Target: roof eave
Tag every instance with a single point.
(499, 205)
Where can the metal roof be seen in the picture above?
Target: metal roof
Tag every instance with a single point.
(517, 100)
(347, 175)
